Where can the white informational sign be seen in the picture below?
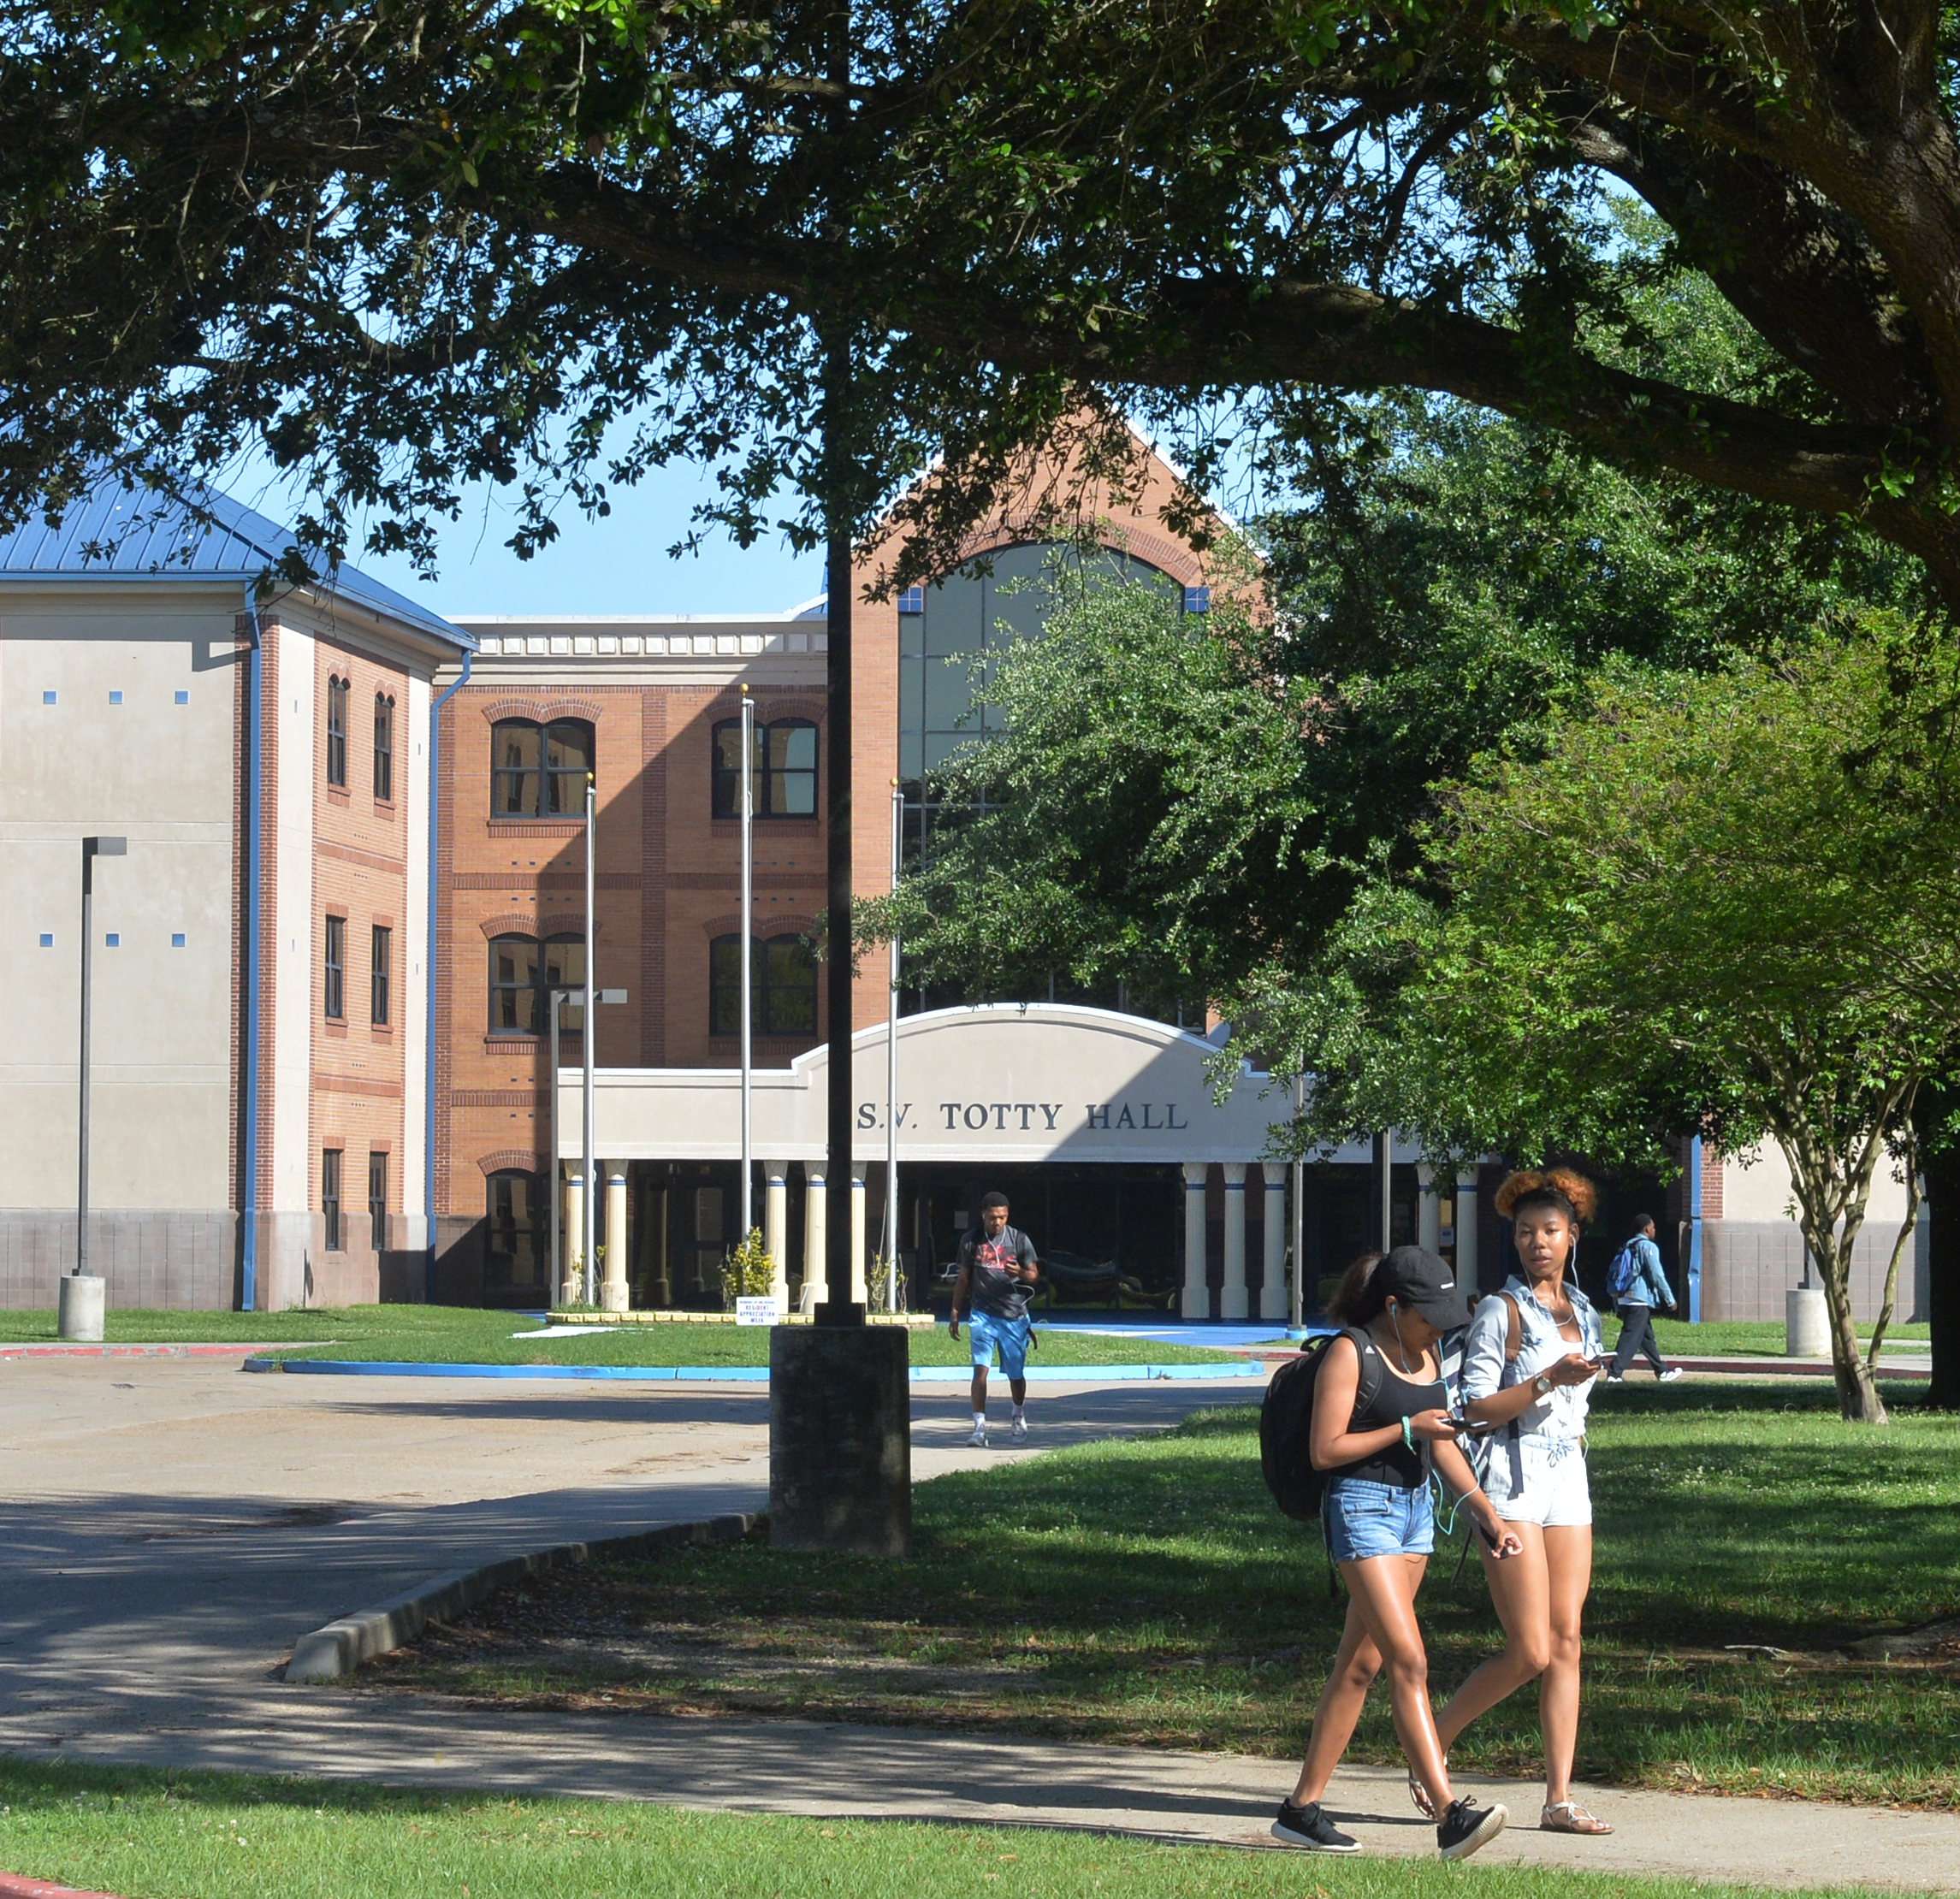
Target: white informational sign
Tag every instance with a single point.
(755, 1312)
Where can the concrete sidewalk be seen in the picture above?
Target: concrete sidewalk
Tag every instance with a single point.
(913, 1773)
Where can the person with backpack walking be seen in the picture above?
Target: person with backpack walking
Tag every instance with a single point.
(1380, 1419)
(1530, 1355)
(1635, 1284)
(998, 1270)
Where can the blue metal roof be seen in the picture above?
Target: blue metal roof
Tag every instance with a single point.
(118, 533)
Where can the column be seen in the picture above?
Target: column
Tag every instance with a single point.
(858, 1203)
(1232, 1297)
(776, 1230)
(1197, 1294)
(1466, 1231)
(614, 1294)
(1273, 1301)
(814, 1229)
(1429, 1208)
(571, 1231)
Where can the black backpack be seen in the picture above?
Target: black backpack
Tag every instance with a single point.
(1285, 1420)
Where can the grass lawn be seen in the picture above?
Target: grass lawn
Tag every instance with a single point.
(1148, 1593)
(449, 1334)
(1750, 1337)
(155, 1835)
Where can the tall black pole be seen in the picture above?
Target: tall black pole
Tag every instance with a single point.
(840, 489)
(838, 1308)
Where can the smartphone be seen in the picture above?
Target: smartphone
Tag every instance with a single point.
(1471, 1426)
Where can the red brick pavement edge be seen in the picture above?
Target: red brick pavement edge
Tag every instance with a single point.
(14, 1886)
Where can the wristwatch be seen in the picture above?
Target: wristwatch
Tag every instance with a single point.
(1542, 1384)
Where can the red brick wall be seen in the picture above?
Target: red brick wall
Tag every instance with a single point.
(360, 873)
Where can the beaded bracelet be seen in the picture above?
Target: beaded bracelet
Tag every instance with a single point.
(1408, 1442)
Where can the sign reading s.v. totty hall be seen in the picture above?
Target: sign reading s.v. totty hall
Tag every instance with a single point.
(1006, 1082)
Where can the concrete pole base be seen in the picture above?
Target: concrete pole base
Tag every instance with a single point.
(82, 1302)
(840, 1438)
(571, 1291)
(613, 1296)
(1806, 1323)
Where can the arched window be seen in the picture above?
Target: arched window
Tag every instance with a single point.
(784, 764)
(519, 1231)
(540, 771)
(384, 747)
(783, 975)
(522, 974)
(337, 732)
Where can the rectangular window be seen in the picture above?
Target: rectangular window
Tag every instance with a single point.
(567, 765)
(384, 748)
(377, 993)
(377, 1201)
(337, 733)
(333, 987)
(330, 1196)
(514, 769)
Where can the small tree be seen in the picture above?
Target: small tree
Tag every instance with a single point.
(1723, 905)
(748, 1272)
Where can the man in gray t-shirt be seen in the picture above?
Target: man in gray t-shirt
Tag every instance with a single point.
(997, 1267)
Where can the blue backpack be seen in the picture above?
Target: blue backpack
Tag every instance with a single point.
(1621, 1276)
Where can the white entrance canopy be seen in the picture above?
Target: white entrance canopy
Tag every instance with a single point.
(1003, 1082)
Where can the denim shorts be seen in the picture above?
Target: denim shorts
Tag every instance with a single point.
(985, 1331)
(1364, 1519)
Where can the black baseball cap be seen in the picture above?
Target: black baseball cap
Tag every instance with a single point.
(1415, 1277)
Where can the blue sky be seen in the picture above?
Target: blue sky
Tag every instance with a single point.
(619, 564)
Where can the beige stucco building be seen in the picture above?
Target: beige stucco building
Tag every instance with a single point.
(259, 985)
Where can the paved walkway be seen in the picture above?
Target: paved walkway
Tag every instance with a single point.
(168, 1526)
(911, 1773)
(174, 1525)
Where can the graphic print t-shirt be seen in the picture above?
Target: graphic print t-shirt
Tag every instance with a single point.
(992, 1292)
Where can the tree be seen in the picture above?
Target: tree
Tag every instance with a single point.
(1720, 905)
(412, 243)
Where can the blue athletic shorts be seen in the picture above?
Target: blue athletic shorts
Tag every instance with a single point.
(1364, 1519)
(1010, 1335)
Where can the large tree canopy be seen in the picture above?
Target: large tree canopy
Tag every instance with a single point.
(414, 241)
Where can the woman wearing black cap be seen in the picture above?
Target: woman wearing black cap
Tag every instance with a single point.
(1381, 1414)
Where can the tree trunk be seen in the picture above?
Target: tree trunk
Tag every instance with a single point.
(1858, 1399)
(1935, 1112)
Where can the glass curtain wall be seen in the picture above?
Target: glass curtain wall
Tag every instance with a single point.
(951, 634)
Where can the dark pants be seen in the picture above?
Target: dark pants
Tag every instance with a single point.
(1636, 1334)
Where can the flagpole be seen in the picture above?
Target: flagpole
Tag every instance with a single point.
(747, 1193)
(891, 1076)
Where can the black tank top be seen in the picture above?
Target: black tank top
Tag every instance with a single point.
(1395, 1399)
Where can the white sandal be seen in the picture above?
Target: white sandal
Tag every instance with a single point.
(1569, 1817)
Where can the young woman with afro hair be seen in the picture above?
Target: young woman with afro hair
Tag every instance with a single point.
(1530, 1358)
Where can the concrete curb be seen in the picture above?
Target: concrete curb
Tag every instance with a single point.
(728, 1375)
(334, 1652)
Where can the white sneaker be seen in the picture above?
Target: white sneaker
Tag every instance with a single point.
(979, 1438)
(1669, 1376)
(1018, 1434)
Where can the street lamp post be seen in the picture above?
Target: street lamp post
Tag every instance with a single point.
(559, 997)
(589, 1279)
(81, 1295)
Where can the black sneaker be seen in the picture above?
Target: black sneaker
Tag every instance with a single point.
(1467, 1826)
(1309, 1827)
